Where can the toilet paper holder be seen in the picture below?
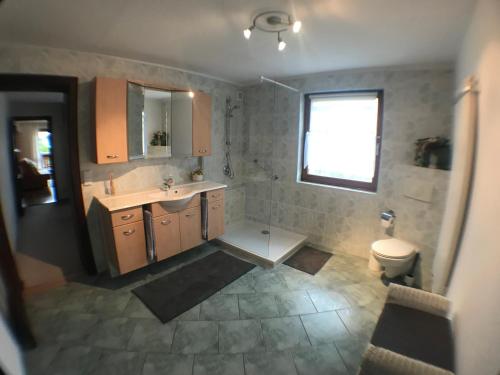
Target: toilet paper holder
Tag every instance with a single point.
(388, 215)
(387, 219)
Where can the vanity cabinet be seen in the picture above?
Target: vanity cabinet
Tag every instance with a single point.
(151, 231)
(167, 236)
(110, 120)
(176, 230)
(126, 240)
(130, 245)
(190, 228)
(215, 214)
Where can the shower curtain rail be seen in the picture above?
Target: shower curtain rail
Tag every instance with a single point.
(262, 78)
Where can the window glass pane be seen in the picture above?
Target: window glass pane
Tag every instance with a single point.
(342, 137)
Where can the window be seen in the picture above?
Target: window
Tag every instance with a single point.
(342, 136)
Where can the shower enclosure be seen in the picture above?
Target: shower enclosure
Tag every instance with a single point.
(265, 171)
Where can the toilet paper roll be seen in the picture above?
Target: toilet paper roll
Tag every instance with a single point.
(387, 223)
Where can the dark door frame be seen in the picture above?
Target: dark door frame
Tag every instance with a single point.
(69, 87)
(13, 121)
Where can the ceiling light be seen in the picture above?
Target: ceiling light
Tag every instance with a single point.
(273, 22)
(296, 26)
(247, 33)
(281, 43)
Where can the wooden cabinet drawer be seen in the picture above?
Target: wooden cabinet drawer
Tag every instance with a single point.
(215, 195)
(127, 216)
(158, 209)
(215, 219)
(167, 236)
(130, 245)
(190, 228)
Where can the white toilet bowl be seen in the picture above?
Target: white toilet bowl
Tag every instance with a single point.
(395, 256)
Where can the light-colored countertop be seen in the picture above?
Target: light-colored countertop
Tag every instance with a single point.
(122, 201)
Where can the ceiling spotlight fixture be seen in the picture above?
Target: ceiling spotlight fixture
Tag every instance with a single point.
(247, 33)
(297, 25)
(281, 43)
(273, 22)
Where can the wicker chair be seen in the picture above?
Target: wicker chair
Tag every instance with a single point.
(413, 336)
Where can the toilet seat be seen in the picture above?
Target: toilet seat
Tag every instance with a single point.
(393, 249)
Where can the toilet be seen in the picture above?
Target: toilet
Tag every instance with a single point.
(395, 256)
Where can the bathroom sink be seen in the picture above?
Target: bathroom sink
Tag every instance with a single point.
(175, 197)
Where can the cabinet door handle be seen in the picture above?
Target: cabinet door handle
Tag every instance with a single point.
(112, 156)
(165, 222)
(189, 215)
(129, 232)
(215, 207)
(127, 217)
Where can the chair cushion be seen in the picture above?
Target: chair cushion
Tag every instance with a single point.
(415, 334)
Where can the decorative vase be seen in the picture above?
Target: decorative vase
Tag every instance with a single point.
(197, 177)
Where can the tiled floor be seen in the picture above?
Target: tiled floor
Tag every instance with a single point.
(277, 321)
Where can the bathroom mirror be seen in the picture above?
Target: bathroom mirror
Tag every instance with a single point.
(149, 122)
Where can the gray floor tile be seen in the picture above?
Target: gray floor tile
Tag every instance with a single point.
(220, 307)
(75, 328)
(359, 294)
(195, 337)
(45, 325)
(275, 363)
(298, 280)
(351, 350)
(39, 359)
(245, 284)
(191, 314)
(319, 360)
(75, 360)
(49, 300)
(359, 321)
(218, 364)
(283, 333)
(171, 364)
(324, 328)
(111, 303)
(119, 363)
(258, 305)
(294, 303)
(240, 336)
(328, 300)
(112, 333)
(136, 309)
(151, 335)
(270, 282)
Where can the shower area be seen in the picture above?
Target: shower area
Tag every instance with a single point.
(259, 164)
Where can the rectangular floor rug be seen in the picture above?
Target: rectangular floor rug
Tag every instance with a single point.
(179, 291)
(308, 260)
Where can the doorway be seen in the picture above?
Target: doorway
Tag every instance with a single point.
(33, 158)
(47, 225)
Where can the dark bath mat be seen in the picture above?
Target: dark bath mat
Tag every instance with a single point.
(308, 260)
(179, 291)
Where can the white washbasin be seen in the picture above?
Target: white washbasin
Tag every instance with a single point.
(174, 197)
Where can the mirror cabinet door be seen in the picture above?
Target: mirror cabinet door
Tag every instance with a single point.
(135, 113)
(157, 123)
(182, 124)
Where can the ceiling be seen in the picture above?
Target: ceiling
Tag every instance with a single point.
(206, 35)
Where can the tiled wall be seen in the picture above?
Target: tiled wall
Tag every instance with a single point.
(141, 173)
(266, 129)
(417, 103)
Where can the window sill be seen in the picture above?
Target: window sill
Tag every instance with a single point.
(300, 182)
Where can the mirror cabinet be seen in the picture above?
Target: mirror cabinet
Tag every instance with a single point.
(134, 120)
